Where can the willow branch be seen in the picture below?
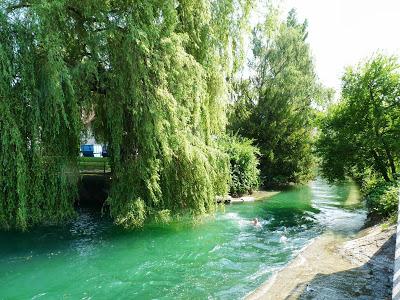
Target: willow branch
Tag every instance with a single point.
(20, 5)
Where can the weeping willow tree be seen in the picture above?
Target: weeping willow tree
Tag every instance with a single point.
(156, 74)
(39, 119)
(166, 107)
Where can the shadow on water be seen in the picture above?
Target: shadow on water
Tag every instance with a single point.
(371, 281)
(292, 208)
(90, 227)
(86, 227)
(93, 190)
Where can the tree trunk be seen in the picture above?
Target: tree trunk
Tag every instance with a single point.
(390, 159)
(381, 166)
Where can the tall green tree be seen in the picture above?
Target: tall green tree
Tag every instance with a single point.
(275, 109)
(360, 134)
(156, 74)
(166, 106)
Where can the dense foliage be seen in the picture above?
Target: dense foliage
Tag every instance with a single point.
(382, 199)
(155, 77)
(155, 74)
(359, 136)
(243, 165)
(274, 106)
(39, 118)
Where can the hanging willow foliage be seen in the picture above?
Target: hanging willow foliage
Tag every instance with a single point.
(165, 108)
(156, 74)
(39, 120)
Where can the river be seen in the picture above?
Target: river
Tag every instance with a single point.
(223, 257)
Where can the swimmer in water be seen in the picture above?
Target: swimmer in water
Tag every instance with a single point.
(283, 239)
(256, 222)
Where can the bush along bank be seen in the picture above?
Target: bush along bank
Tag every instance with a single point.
(243, 165)
(381, 200)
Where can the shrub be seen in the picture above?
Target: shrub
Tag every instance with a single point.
(243, 158)
(382, 199)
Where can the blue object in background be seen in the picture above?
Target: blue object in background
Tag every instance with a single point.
(91, 150)
(87, 150)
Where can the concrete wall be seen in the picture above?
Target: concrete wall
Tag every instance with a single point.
(396, 271)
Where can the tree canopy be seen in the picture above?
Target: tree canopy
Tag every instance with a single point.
(156, 75)
(274, 107)
(359, 135)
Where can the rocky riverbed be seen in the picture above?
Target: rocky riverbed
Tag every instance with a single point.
(332, 267)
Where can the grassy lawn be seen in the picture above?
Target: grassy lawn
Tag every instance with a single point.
(94, 164)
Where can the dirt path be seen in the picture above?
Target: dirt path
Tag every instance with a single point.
(334, 268)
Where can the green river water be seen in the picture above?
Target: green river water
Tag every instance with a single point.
(224, 257)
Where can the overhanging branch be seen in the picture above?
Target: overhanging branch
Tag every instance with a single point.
(20, 5)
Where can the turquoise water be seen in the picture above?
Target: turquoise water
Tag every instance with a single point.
(224, 257)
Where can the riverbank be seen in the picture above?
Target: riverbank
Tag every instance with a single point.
(332, 267)
(257, 195)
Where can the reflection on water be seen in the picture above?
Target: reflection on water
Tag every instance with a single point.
(222, 258)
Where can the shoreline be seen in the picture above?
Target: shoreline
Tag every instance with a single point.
(255, 196)
(336, 267)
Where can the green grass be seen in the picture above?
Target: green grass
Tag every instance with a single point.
(93, 159)
(93, 164)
